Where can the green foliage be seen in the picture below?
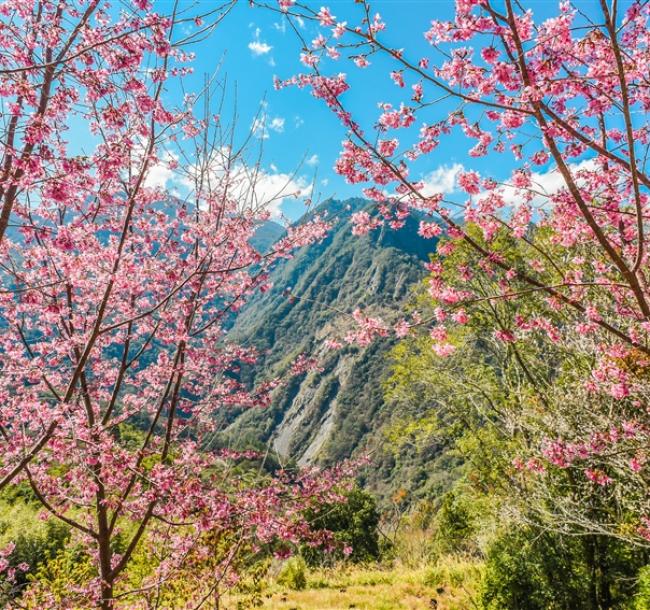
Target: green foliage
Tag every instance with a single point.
(447, 526)
(206, 571)
(36, 548)
(293, 574)
(53, 583)
(354, 524)
(642, 597)
(252, 584)
(524, 572)
(36, 541)
(487, 405)
(456, 523)
(531, 570)
(19, 492)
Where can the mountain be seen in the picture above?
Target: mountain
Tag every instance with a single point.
(266, 235)
(336, 412)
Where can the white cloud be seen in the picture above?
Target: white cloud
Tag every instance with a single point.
(545, 184)
(298, 121)
(313, 160)
(271, 189)
(252, 186)
(257, 46)
(258, 128)
(441, 180)
(277, 124)
(159, 175)
(261, 126)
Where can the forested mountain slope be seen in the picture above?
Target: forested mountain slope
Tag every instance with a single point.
(334, 413)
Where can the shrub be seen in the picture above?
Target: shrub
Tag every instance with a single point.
(36, 541)
(293, 574)
(529, 569)
(354, 524)
(54, 583)
(455, 524)
(642, 597)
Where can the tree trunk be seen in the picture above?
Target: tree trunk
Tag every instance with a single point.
(590, 560)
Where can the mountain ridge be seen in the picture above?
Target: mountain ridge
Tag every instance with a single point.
(328, 415)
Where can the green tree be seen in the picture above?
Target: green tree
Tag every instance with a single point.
(354, 524)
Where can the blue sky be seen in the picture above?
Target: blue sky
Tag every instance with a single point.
(302, 138)
(253, 45)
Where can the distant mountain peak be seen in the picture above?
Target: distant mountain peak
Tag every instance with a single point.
(266, 234)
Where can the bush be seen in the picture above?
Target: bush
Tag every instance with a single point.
(57, 583)
(456, 526)
(642, 597)
(518, 575)
(37, 548)
(354, 524)
(293, 574)
(36, 541)
(529, 569)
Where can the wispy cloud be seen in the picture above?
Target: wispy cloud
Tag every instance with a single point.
(252, 186)
(258, 128)
(261, 126)
(257, 46)
(160, 174)
(313, 160)
(272, 188)
(545, 184)
(277, 124)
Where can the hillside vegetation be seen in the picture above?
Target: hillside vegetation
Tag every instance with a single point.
(334, 413)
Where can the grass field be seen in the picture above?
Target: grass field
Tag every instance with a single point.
(451, 587)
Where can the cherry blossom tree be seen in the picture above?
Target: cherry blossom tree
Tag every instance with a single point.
(65, 63)
(116, 295)
(516, 398)
(564, 100)
(79, 66)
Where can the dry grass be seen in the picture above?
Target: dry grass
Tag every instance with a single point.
(448, 586)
